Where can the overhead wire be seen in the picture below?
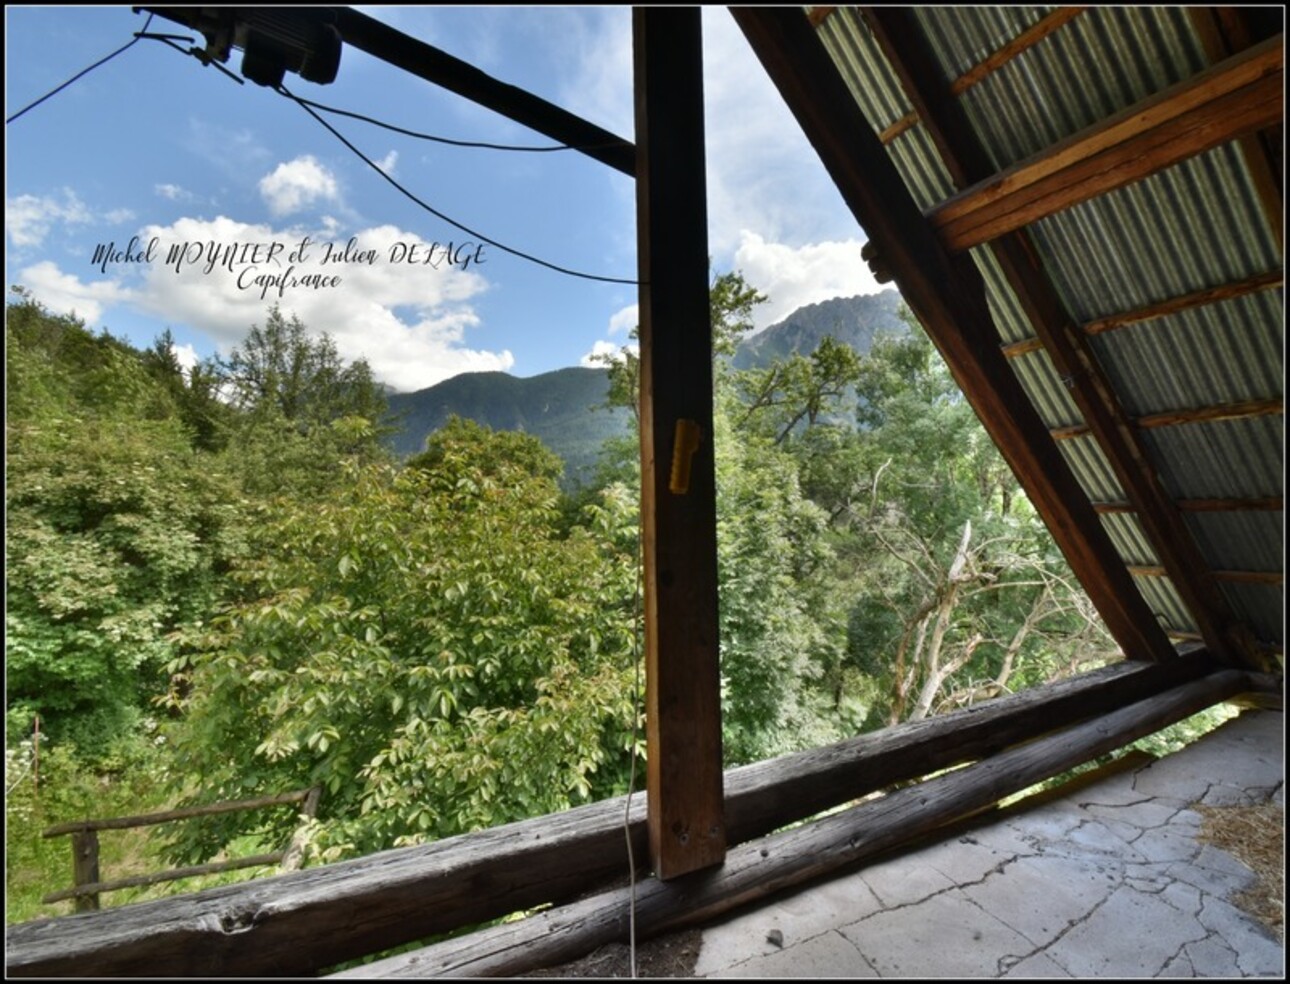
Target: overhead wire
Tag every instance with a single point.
(519, 148)
(85, 71)
(445, 218)
(308, 107)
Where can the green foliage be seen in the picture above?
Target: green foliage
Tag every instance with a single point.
(427, 646)
(301, 409)
(59, 788)
(117, 530)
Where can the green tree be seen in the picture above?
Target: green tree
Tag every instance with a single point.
(117, 531)
(959, 592)
(301, 408)
(428, 645)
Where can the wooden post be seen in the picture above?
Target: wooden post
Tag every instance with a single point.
(678, 497)
(85, 867)
(35, 758)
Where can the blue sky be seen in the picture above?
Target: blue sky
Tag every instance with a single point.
(156, 146)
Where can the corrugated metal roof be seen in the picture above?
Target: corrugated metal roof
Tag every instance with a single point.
(1196, 225)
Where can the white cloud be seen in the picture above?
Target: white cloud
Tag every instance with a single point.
(388, 162)
(296, 184)
(408, 320)
(173, 192)
(187, 356)
(602, 350)
(63, 293)
(625, 320)
(791, 277)
(763, 174)
(28, 219)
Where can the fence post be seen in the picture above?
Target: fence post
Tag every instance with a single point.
(85, 867)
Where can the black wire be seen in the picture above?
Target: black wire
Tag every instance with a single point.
(439, 215)
(431, 136)
(85, 71)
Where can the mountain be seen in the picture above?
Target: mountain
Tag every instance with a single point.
(565, 409)
(854, 320)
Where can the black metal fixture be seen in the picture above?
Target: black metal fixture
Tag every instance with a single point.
(274, 40)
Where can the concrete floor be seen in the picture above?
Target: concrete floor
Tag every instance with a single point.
(1106, 881)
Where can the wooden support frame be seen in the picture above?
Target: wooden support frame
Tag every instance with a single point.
(1267, 504)
(1173, 305)
(1027, 39)
(1224, 31)
(795, 857)
(678, 496)
(1241, 95)
(947, 293)
(1067, 345)
(298, 923)
(1198, 415)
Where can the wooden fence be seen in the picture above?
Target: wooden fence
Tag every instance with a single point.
(87, 887)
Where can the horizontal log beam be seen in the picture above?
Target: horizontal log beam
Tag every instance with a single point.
(786, 860)
(1243, 94)
(300, 922)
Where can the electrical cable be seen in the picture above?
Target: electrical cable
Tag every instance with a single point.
(437, 139)
(84, 71)
(307, 105)
(439, 215)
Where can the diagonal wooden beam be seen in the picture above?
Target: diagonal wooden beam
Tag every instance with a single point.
(1068, 346)
(1027, 39)
(1241, 95)
(947, 293)
(1223, 31)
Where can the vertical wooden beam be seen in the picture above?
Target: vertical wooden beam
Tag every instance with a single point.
(947, 293)
(678, 495)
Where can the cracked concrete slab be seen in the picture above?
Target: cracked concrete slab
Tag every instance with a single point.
(1109, 881)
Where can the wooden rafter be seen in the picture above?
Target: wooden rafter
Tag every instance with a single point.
(818, 15)
(1226, 411)
(1245, 577)
(992, 63)
(1223, 32)
(1243, 94)
(947, 293)
(1172, 305)
(966, 160)
(1268, 504)
(1186, 302)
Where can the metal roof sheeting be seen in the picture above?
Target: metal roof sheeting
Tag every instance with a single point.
(1196, 225)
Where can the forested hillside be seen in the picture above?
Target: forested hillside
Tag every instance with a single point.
(565, 409)
(222, 579)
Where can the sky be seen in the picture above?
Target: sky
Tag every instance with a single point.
(157, 193)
